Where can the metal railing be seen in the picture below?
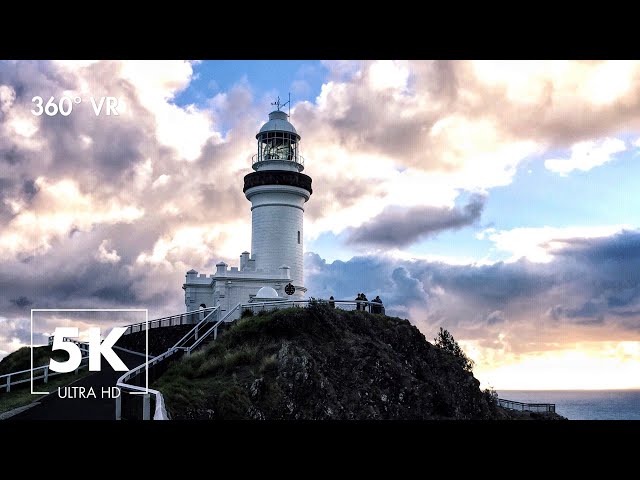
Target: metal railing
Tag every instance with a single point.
(6, 380)
(299, 159)
(349, 305)
(197, 332)
(231, 315)
(527, 407)
(186, 318)
(139, 401)
(135, 401)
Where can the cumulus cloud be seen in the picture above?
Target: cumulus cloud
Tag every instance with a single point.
(163, 183)
(540, 244)
(452, 126)
(399, 227)
(588, 291)
(69, 183)
(586, 155)
(107, 256)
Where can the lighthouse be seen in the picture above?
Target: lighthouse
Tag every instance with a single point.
(278, 192)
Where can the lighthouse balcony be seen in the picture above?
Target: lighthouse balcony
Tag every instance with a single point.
(259, 159)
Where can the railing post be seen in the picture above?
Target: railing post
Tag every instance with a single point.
(215, 333)
(119, 406)
(8, 383)
(46, 374)
(146, 407)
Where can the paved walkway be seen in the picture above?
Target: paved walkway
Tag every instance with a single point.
(52, 407)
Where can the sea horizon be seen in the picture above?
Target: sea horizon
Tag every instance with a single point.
(612, 404)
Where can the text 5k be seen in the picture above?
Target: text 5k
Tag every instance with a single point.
(97, 350)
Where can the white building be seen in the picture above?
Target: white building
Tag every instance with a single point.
(277, 191)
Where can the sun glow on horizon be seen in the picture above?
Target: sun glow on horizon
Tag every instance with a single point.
(588, 366)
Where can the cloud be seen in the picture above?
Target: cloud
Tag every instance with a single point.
(55, 210)
(586, 155)
(105, 256)
(494, 317)
(399, 227)
(21, 302)
(454, 126)
(588, 291)
(163, 183)
(540, 244)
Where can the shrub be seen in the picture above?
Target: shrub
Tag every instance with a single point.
(445, 341)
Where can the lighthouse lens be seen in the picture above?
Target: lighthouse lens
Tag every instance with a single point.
(278, 146)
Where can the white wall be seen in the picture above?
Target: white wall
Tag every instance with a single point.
(277, 217)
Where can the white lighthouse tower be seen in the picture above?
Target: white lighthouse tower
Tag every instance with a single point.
(278, 192)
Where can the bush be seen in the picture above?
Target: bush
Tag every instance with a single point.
(445, 341)
(491, 395)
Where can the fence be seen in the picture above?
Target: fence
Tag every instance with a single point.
(16, 378)
(527, 407)
(187, 318)
(362, 305)
(136, 401)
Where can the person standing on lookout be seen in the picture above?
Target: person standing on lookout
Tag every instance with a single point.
(364, 305)
(377, 308)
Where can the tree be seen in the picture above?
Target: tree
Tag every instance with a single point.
(445, 341)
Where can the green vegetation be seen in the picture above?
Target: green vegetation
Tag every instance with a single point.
(220, 369)
(491, 394)
(322, 363)
(21, 359)
(21, 394)
(445, 341)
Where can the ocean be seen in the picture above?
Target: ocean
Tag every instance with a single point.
(583, 404)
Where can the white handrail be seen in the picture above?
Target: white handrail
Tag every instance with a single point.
(196, 328)
(160, 411)
(8, 383)
(302, 303)
(159, 321)
(214, 329)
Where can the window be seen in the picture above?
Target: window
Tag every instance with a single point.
(298, 237)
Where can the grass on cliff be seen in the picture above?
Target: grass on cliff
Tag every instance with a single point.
(219, 369)
(20, 395)
(217, 375)
(21, 360)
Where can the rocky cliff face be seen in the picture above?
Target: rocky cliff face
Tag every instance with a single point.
(321, 363)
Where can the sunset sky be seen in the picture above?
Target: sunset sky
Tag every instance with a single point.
(499, 200)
